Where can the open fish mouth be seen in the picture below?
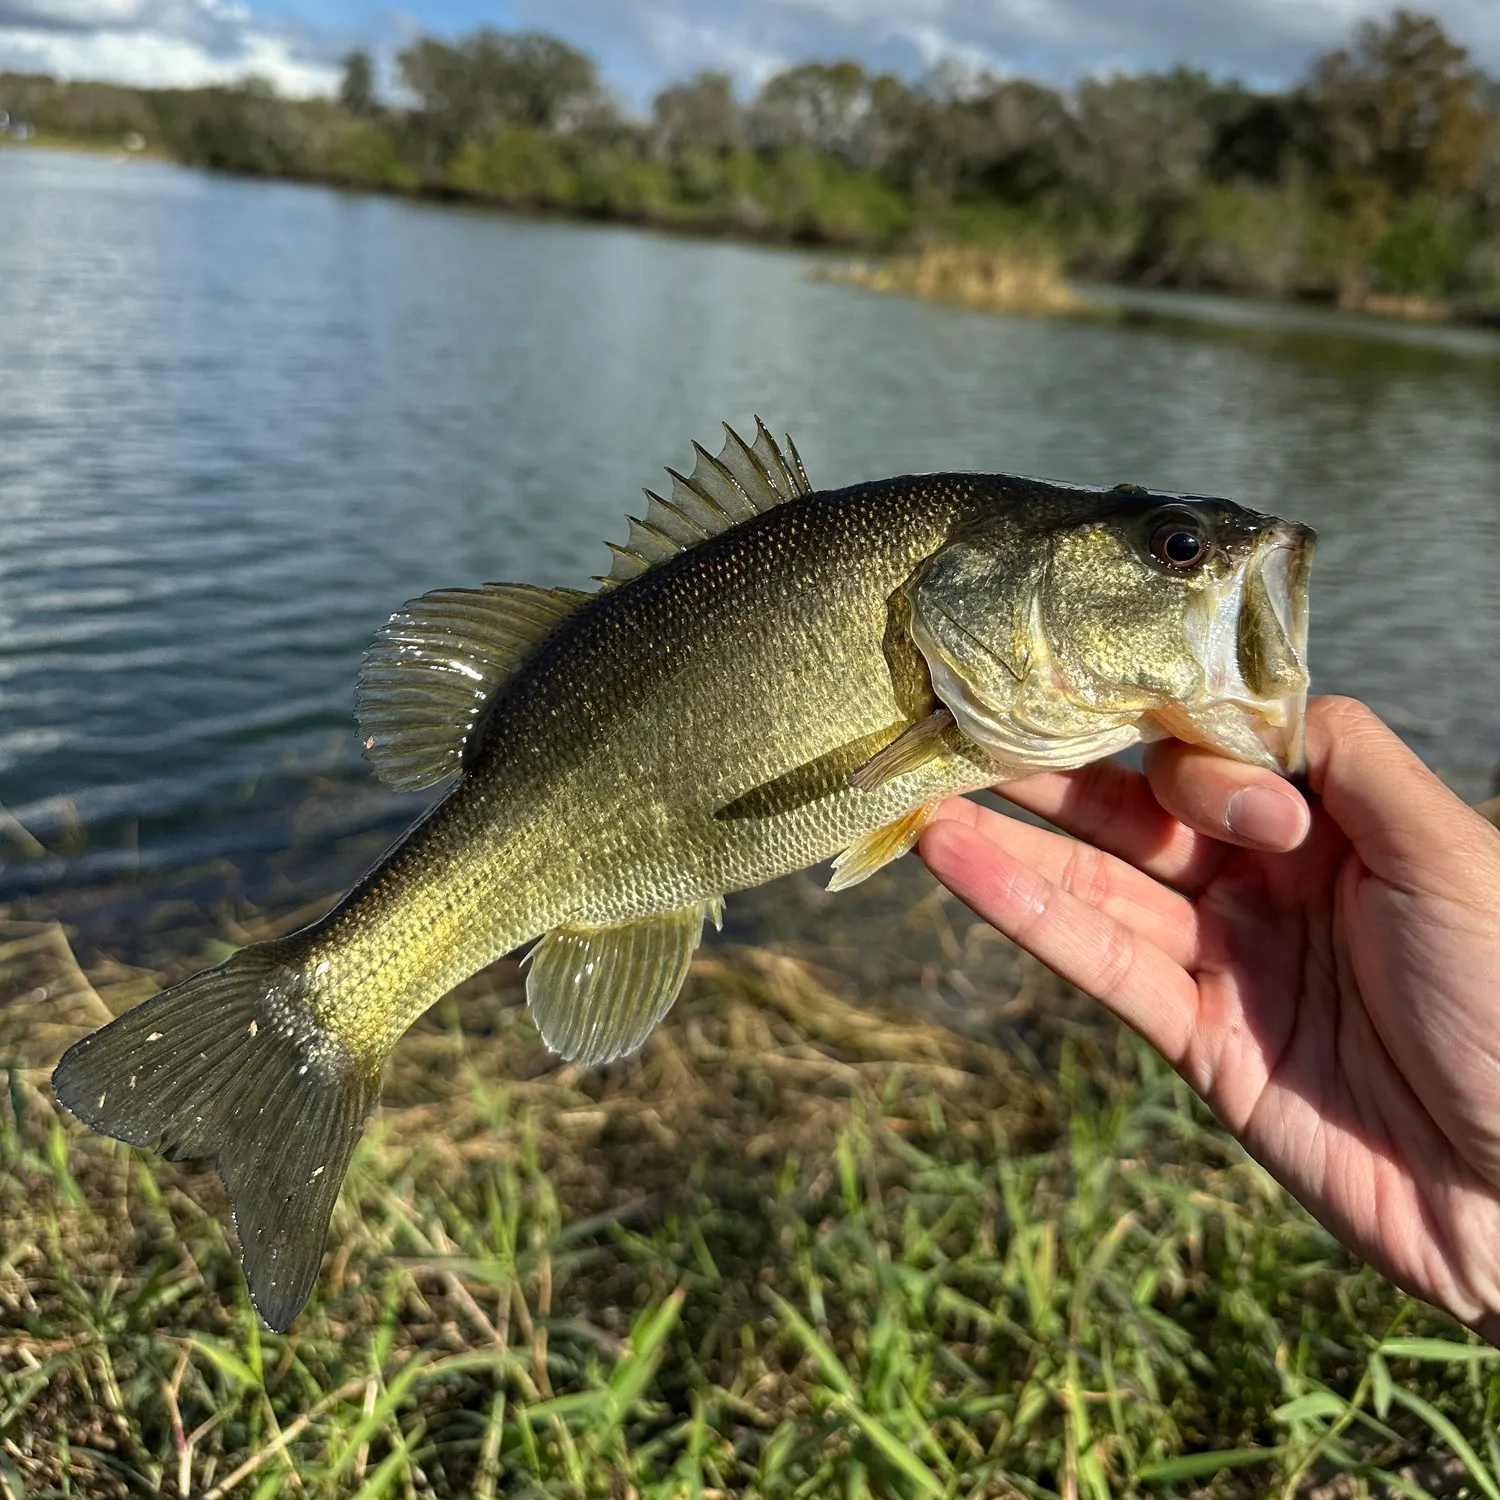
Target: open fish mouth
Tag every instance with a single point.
(1250, 637)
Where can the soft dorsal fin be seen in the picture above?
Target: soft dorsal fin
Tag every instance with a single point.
(434, 665)
(742, 481)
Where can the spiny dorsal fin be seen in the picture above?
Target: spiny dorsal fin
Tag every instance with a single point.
(743, 480)
(434, 665)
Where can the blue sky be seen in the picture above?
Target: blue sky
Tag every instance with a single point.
(642, 43)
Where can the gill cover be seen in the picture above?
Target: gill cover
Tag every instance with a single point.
(977, 619)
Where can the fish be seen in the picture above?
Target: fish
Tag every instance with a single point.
(771, 676)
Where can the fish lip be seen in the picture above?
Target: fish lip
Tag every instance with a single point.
(1285, 735)
(1284, 561)
(1294, 543)
(1289, 548)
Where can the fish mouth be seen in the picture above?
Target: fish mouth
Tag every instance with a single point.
(1252, 644)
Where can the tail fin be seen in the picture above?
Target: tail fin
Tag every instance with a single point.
(232, 1064)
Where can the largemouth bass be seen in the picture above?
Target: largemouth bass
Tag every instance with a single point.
(771, 676)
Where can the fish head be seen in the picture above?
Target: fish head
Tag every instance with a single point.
(1056, 640)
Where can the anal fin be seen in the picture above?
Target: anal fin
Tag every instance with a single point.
(909, 751)
(866, 855)
(597, 992)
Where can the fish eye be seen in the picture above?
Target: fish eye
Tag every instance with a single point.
(1179, 543)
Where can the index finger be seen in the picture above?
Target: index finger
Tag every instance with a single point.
(1112, 807)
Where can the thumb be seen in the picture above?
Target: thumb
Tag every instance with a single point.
(1407, 827)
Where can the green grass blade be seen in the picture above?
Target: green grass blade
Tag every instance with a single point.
(366, 1427)
(824, 1357)
(892, 1449)
(1446, 1350)
(379, 1483)
(1402, 1486)
(1310, 1408)
(1380, 1386)
(1450, 1435)
(634, 1373)
(1202, 1465)
(229, 1365)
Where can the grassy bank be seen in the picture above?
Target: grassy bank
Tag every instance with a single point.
(806, 1244)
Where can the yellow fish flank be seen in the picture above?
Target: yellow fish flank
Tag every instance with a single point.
(772, 676)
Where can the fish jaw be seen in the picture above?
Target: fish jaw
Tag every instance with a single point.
(1252, 644)
(1268, 735)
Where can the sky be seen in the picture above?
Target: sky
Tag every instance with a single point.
(640, 44)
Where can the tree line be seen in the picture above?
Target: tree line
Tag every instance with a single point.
(1376, 174)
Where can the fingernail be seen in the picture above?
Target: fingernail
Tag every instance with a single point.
(1265, 819)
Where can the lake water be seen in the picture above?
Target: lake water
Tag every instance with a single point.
(240, 422)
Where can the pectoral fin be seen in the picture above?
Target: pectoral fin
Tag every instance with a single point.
(596, 993)
(863, 857)
(910, 751)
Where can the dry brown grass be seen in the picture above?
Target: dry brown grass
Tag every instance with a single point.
(807, 1242)
(1007, 280)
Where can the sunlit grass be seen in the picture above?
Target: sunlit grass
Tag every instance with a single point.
(995, 279)
(803, 1245)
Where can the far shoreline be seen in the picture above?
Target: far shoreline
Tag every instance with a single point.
(865, 265)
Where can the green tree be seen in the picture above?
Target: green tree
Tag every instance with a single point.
(824, 106)
(1140, 138)
(357, 89)
(490, 79)
(1403, 106)
(976, 133)
(700, 114)
(1254, 135)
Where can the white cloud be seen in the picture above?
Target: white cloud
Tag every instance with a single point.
(157, 43)
(936, 46)
(642, 43)
(1272, 39)
(151, 60)
(686, 44)
(70, 14)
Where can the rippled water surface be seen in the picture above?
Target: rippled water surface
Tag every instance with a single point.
(240, 422)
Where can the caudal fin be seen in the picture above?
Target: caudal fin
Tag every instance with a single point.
(231, 1064)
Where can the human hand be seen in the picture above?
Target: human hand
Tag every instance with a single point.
(1328, 979)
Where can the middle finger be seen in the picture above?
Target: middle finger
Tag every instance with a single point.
(1114, 808)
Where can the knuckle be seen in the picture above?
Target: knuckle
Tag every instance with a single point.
(1116, 961)
(1086, 875)
(1344, 717)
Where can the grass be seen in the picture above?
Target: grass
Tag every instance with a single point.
(805, 1245)
(112, 147)
(996, 279)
